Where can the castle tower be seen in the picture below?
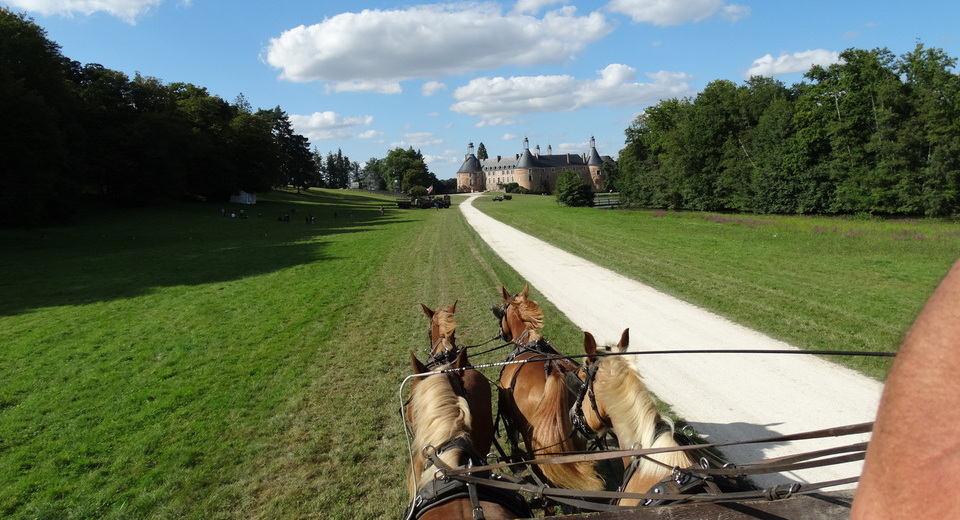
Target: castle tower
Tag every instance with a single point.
(595, 166)
(470, 175)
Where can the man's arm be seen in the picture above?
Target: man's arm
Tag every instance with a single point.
(912, 468)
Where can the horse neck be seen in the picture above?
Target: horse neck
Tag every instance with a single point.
(635, 418)
(440, 416)
(422, 474)
(628, 403)
(528, 335)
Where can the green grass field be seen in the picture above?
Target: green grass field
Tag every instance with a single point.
(171, 363)
(817, 283)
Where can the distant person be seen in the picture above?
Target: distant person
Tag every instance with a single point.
(913, 461)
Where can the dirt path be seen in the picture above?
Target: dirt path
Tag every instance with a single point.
(726, 397)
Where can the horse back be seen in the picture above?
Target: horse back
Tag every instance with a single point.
(463, 510)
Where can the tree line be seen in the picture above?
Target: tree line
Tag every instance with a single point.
(72, 130)
(874, 133)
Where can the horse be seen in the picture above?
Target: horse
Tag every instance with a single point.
(619, 401)
(441, 422)
(537, 394)
(443, 349)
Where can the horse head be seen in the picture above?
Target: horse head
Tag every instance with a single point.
(443, 329)
(619, 400)
(520, 317)
(593, 412)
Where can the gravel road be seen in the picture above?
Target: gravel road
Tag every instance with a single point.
(726, 397)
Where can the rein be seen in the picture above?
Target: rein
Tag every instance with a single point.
(676, 487)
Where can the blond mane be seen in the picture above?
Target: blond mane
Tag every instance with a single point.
(619, 385)
(446, 323)
(439, 416)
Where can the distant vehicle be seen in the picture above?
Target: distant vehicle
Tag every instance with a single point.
(424, 202)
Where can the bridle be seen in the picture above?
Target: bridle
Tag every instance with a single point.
(443, 356)
(577, 417)
(500, 311)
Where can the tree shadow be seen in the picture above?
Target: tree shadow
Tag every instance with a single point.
(111, 254)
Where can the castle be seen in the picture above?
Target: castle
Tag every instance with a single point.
(531, 170)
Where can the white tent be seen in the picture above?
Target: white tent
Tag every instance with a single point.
(244, 198)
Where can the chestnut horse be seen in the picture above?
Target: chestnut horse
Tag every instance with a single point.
(441, 421)
(536, 397)
(618, 399)
(443, 350)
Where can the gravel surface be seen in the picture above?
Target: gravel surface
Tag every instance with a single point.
(725, 397)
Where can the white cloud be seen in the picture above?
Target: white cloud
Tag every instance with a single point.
(495, 99)
(128, 10)
(734, 13)
(676, 12)
(365, 86)
(417, 140)
(791, 63)
(511, 137)
(325, 126)
(370, 134)
(576, 148)
(384, 47)
(533, 6)
(497, 121)
(432, 87)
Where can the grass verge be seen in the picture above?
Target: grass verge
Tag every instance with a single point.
(815, 282)
(173, 363)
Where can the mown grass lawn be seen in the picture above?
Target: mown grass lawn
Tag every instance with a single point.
(815, 282)
(171, 363)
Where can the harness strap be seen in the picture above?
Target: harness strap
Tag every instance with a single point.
(595, 456)
(577, 497)
(475, 502)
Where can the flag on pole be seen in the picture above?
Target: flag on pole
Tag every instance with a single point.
(430, 190)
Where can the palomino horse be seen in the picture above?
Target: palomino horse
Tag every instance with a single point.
(619, 400)
(535, 396)
(441, 421)
(443, 350)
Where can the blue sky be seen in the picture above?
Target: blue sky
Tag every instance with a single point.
(370, 76)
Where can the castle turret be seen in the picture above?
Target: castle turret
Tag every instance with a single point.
(470, 174)
(595, 166)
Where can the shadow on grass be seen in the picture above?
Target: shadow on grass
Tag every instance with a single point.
(121, 253)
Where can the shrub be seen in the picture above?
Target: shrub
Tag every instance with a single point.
(572, 191)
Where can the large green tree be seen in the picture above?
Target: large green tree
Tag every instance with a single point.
(298, 167)
(406, 170)
(871, 133)
(572, 191)
(38, 118)
(482, 152)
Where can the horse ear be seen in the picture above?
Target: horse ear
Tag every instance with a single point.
(427, 311)
(418, 367)
(461, 360)
(504, 294)
(453, 308)
(624, 340)
(589, 346)
(526, 291)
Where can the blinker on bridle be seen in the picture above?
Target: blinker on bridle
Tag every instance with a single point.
(500, 311)
(577, 416)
